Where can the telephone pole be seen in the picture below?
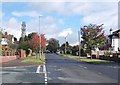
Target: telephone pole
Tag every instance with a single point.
(40, 48)
(79, 43)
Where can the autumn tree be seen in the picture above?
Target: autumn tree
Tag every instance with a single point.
(37, 41)
(93, 36)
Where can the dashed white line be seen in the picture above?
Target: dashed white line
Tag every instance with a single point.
(44, 70)
(85, 67)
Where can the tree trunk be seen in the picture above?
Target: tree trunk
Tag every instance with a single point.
(91, 53)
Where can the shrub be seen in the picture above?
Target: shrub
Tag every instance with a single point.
(108, 53)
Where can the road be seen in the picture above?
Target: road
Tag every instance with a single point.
(21, 74)
(64, 70)
(59, 69)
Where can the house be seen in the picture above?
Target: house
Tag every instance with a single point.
(114, 40)
(6, 41)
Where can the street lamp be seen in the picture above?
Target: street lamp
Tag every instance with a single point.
(40, 48)
(79, 42)
(65, 43)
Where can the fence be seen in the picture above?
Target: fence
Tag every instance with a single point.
(8, 53)
(107, 55)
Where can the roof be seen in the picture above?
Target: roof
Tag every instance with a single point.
(115, 33)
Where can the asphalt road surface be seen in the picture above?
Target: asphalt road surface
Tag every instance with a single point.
(21, 74)
(65, 70)
(59, 69)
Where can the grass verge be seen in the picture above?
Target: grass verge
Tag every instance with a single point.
(35, 59)
(84, 59)
(32, 61)
(96, 61)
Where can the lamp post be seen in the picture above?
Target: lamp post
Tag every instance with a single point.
(40, 48)
(79, 41)
(65, 43)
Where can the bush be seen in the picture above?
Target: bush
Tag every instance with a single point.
(108, 53)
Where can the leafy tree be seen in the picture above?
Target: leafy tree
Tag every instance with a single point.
(14, 46)
(93, 36)
(30, 35)
(24, 45)
(68, 48)
(43, 41)
(21, 40)
(53, 45)
(75, 49)
(35, 42)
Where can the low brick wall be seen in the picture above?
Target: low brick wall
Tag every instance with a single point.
(7, 58)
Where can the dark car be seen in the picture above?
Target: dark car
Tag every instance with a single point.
(46, 51)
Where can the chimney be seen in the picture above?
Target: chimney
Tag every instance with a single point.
(5, 33)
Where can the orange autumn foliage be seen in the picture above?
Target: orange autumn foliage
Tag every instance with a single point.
(37, 40)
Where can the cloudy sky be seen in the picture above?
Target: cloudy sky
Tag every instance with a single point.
(59, 19)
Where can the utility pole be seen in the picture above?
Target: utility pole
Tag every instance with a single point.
(40, 48)
(65, 45)
(79, 42)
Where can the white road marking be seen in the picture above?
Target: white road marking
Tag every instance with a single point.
(7, 67)
(45, 73)
(38, 69)
(17, 72)
(85, 67)
(17, 66)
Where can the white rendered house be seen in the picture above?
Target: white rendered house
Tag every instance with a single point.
(115, 40)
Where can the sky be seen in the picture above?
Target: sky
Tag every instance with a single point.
(58, 19)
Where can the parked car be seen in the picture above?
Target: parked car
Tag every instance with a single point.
(46, 51)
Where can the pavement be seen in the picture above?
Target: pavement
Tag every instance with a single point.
(59, 70)
(17, 62)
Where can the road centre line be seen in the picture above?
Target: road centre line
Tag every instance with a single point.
(44, 70)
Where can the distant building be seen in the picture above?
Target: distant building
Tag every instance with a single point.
(7, 39)
(23, 28)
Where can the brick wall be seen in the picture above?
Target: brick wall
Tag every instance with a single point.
(7, 58)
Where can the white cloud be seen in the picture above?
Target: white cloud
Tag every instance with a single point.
(48, 26)
(47, 6)
(65, 32)
(28, 13)
(92, 12)
(103, 16)
(13, 27)
(72, 38)
(59, 0)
